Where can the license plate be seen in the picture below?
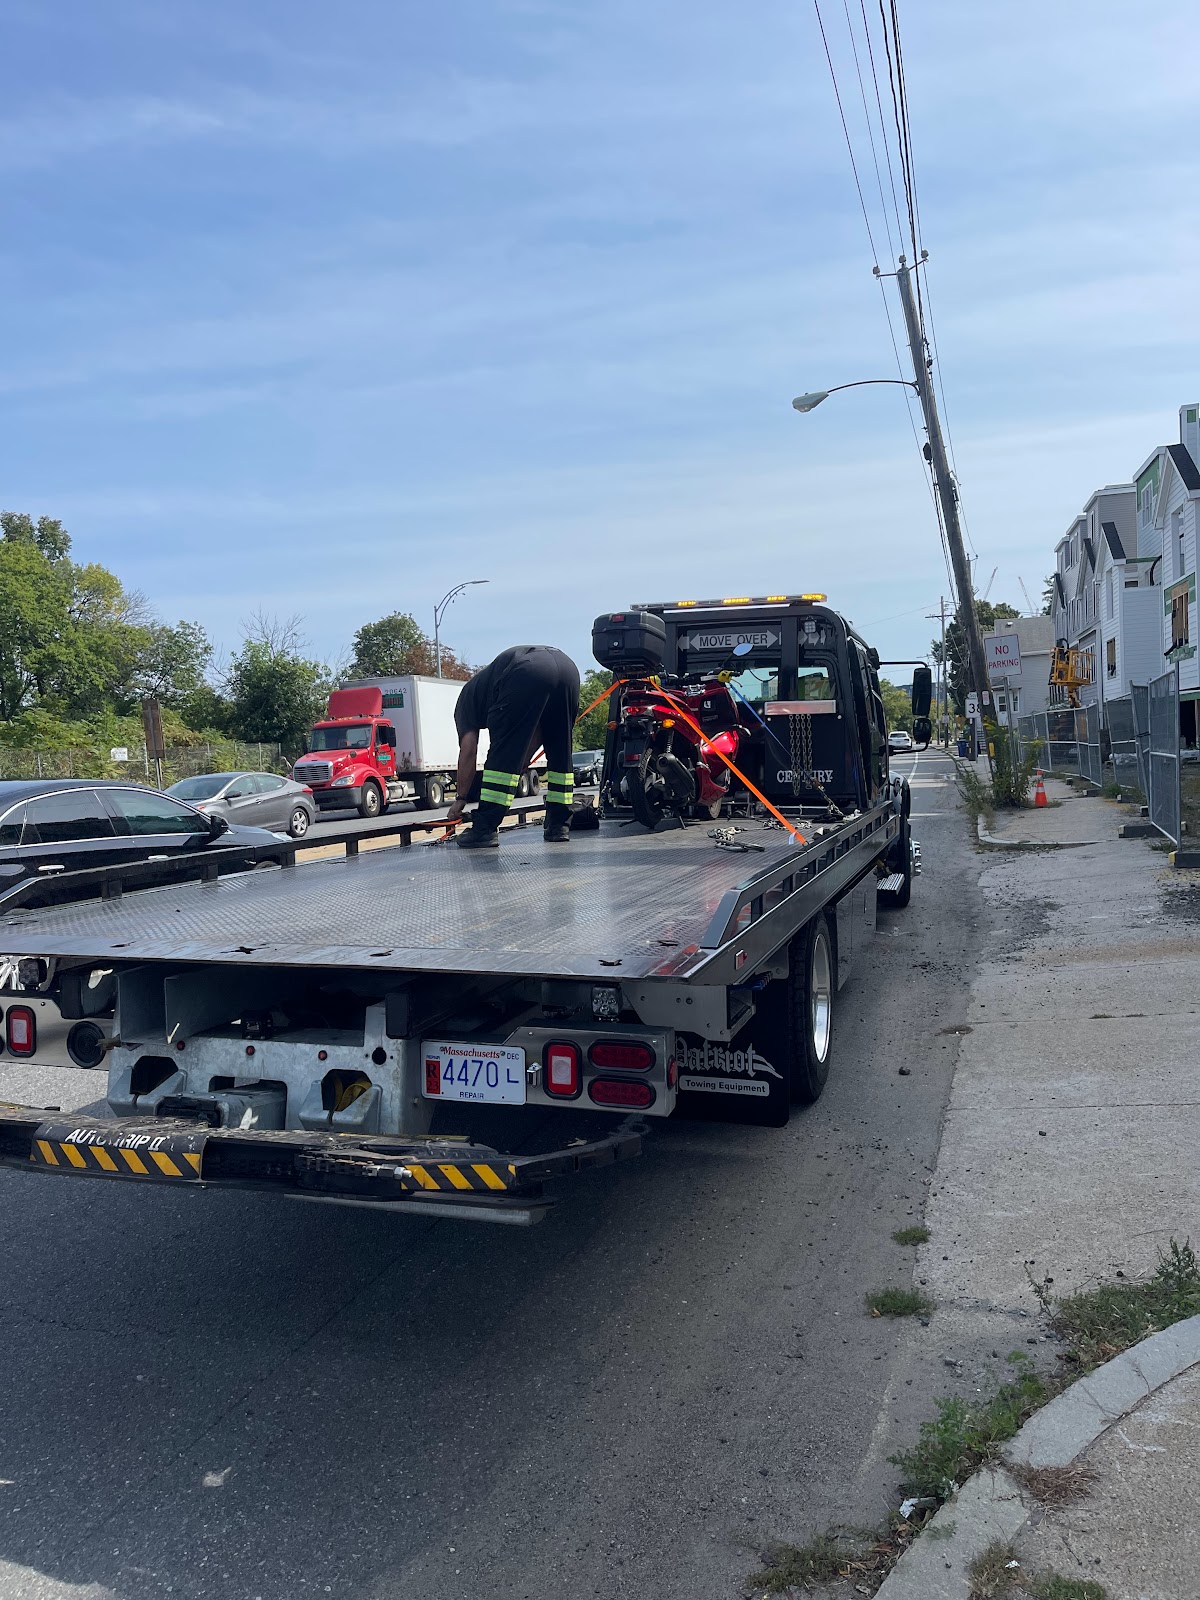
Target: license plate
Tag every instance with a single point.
(492, 1074)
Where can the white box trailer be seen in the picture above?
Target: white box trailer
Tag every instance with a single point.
(422, 712)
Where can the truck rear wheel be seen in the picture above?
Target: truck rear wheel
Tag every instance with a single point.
(371, 804)
(793, 1025)
(433, 793)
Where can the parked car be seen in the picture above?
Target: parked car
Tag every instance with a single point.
(50, 825)
(899, 742)
(587, 765)
(263, 799)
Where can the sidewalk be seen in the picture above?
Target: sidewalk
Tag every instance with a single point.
(1070, 819)
(1069, 1154)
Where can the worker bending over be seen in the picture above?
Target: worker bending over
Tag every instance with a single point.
(528, 696)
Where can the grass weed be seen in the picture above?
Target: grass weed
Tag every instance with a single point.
(962, 1436)
(1097, 1324)
(899, 1303)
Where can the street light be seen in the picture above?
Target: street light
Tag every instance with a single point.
(810, 402)
(439, 612)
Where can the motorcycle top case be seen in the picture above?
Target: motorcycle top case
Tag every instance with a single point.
(630, 642)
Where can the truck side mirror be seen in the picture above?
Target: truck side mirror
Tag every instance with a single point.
(304, 744)
(922, 691)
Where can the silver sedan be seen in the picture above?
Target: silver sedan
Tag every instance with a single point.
(262, 799)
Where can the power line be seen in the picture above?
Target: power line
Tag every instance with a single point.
(862, 90)
(905, 170)
(845, 129)
(887, 148)
(899, 89)
(908, 188)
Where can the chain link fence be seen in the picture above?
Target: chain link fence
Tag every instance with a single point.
(1138, 747)
(1068, 741)
(1163, 756)
(182, 761)
(1125, 754)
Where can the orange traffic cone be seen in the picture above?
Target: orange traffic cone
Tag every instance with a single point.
(1039, 792)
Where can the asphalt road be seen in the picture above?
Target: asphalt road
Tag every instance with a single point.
(225, 1397)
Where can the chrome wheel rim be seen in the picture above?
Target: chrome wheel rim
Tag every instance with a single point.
(820, 992)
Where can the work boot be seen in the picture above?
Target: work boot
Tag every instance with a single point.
(478, 839)
(485, 820)
(557, 827)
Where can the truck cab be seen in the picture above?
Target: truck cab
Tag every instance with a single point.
(350, 759)
(807, 692)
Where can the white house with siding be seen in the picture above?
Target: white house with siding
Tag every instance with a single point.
(1170, 485)
(1101, 538)
(1129, 615)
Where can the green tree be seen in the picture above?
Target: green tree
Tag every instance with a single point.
(47, 534)
(35, 625)
(396, 645)
(1048, 596)
(956, 649)
(897, 704)
(69, 634)
(592, 730)
(274, 693)
(168, 663)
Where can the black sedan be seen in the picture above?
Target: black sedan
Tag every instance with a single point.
(53, 825)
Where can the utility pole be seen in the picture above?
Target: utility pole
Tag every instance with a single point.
(947, 494)
(943, 709)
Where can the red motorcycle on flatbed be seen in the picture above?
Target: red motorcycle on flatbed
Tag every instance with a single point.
(675, 744)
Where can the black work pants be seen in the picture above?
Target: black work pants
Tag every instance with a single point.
(536, 702)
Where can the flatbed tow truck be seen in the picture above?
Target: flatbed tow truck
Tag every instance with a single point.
(423, 1031)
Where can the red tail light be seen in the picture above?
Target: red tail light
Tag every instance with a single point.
(620, 1092)
(20, 1030)
(563, 1076)
(621, 1056)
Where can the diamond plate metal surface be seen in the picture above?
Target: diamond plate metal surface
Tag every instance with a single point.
(616, 903)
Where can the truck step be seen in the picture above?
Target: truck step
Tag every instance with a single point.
(892, 884)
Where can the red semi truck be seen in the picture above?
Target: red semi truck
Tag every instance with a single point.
(386, 739)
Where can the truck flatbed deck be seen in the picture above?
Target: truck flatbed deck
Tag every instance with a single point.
(613, 903)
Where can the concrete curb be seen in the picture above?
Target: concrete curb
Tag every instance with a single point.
(992, 1506)
(997, 842)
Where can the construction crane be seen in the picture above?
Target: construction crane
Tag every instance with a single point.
(1028, 601)
(990, 582)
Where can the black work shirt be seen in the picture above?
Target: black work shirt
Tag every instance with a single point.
(480, 693)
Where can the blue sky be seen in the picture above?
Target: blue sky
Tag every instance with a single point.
(320, 309)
